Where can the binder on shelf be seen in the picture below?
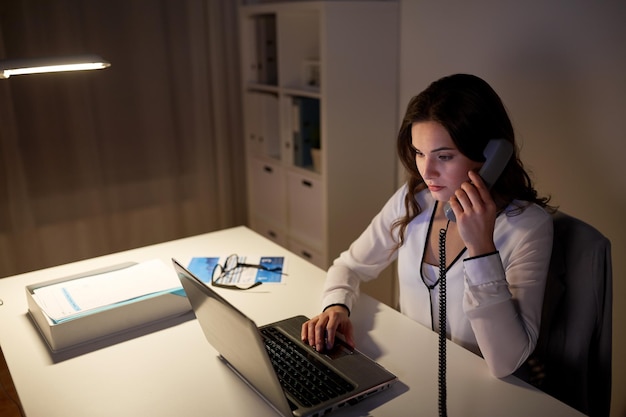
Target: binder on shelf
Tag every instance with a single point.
(298, 155)
(262, 125)
(95, 305)
(267, 70)
(306, 130)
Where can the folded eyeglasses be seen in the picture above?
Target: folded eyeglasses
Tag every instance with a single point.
(223, 272)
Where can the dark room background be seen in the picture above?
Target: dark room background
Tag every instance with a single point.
(145, 151)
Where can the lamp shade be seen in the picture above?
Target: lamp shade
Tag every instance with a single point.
(9, 67)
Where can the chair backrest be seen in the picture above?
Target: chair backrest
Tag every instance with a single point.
(572, 360)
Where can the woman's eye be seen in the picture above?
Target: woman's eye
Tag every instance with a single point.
(445, 157)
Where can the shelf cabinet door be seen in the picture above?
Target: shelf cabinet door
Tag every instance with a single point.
(270, 231)
(267, 191)
(311, 255)
(306, 208)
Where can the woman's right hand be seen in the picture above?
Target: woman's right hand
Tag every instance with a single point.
(320, 331)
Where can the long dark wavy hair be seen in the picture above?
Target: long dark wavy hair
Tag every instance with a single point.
(472, 113)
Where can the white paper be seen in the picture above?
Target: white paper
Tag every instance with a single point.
(78, 296)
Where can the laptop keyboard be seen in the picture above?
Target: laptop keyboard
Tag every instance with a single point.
(300, 373)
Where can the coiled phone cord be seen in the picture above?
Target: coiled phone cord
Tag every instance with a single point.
(443, 410)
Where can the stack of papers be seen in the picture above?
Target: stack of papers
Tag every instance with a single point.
(86, 295)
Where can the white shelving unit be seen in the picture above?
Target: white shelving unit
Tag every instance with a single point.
(327, 73)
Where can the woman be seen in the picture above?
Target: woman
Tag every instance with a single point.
(497, 252)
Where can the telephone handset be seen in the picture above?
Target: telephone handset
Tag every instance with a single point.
(497, 154)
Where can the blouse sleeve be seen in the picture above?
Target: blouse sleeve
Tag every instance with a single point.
(367, 256)
(504, 291)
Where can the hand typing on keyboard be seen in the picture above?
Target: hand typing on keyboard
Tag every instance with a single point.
(320, 331)
(303, 376)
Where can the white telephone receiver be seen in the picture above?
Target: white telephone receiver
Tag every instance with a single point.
(497, 154)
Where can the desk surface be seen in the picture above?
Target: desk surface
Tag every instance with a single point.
(170, 369)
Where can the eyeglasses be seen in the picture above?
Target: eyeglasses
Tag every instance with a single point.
(226, 271)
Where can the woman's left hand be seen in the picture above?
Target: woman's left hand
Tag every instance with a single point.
(475, 213)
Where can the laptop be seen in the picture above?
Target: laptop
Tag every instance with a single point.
(261, 356)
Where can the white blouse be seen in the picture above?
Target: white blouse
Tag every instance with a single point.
(493, 302)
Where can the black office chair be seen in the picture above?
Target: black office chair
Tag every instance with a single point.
(572, 360)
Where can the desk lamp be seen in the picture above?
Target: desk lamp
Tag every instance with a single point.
(10, 67)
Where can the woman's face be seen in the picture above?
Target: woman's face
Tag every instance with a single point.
(442, 166)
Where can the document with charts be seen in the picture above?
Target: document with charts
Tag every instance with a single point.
(265, 269)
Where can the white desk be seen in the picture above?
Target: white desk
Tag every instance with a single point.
(173, 371)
